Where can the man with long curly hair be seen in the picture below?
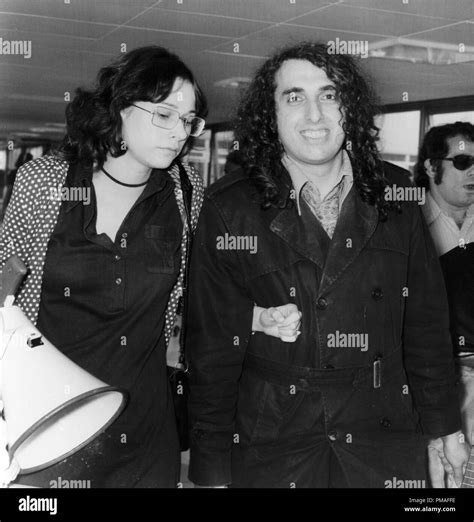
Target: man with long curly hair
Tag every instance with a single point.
(304, 219)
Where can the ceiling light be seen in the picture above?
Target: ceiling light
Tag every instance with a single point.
(48, 129)
(237, 82)
(35, 97)
(419, 51)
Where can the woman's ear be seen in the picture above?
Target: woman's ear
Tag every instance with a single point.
(125, 112)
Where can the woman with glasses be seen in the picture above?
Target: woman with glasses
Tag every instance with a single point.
(99, 225)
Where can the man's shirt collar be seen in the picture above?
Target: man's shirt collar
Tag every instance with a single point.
(445, 232)
(432, 210)
(345, 175)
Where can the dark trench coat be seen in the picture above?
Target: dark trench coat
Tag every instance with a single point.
(265, 413)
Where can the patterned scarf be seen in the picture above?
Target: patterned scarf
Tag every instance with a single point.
(327, 210)
(196, 204)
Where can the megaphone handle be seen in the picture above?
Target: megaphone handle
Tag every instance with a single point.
(11, 277)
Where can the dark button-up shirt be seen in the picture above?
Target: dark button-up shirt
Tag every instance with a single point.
(103, 305)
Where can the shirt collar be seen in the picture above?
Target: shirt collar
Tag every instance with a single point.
(80, 176)
(345, 174)
(77, 176)
(432, 210)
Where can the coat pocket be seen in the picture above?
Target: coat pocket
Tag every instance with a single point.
(269, 413)
(388, 408)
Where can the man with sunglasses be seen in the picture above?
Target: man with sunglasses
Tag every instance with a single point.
(445, 168)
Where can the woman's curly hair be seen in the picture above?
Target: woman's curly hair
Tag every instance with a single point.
(94, 123)
(257, 132)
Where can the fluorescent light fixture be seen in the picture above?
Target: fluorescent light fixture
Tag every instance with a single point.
(237, 82)
(421, 51)
(48, 128)
(26, 134)
(36, 97)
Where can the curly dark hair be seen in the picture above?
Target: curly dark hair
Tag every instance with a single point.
(257, 133)
(93, 118)
(435, 145)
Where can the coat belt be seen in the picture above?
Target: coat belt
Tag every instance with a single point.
(307, 377)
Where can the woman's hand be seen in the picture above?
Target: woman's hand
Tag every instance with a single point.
(280, 321)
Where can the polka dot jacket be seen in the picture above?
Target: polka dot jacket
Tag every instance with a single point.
(32, 215)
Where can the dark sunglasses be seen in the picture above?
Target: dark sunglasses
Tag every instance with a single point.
(461, 162)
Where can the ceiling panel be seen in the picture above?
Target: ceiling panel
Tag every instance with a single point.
(266, 43)
(175, 20)
(346, 18)
(450, 9)
(56, 61)
(138, 37)
(63, 75)
(49, 41)
(419, 92)
(393, 83)
(462, 32)
(109, 11)
(258, 47)
(224, 66)
(18, 80)
(424, 73)
(70, 42)
(281, 34)
(42, 24)
(263, 10)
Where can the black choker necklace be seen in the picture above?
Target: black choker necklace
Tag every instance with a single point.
(121, 182)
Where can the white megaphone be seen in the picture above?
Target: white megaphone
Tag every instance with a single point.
(52, 407)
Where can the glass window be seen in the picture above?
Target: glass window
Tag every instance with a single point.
(3, 159)
(200, 155)
(36, 152)
(399, 137)
(223, 142)
(450, 117)
(13, 156)
(3, 172)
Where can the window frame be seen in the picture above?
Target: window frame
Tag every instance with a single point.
(429, 107)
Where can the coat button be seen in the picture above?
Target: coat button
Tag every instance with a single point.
(385, 423)
(332, 436)
(321, 304)
(328, 367)
(377, 293)
(197, 434)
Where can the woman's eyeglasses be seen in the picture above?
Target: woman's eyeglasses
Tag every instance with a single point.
(167, 118)
(460, 162)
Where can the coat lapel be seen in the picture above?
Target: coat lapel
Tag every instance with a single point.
(356, 224)
(291, 228)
